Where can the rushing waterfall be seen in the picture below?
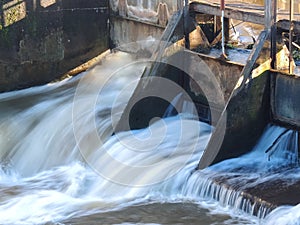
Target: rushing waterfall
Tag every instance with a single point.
(60, 164)
(229, 181)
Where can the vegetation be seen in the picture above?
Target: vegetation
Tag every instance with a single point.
(296, 54)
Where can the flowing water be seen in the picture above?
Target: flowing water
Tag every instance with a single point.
(60, 164)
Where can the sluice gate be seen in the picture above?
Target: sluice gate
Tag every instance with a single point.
(238, 99)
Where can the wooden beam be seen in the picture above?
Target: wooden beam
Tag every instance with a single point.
(247, 70)
(179, 4)
(253, 16)
(285, 25)
(211, 9)
(268, 14)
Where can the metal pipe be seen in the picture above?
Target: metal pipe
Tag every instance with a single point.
(222, 6)
(223, 33)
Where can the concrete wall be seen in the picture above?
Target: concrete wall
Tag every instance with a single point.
(204, 80)
(126, 33)
(40, 40)
(226, 73)
(247, 116)
(135, 21)
(285, 102)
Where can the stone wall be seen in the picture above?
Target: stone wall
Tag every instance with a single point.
(40, 40)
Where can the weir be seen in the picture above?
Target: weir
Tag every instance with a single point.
(253, 94)
(239, 99)
(243, 92)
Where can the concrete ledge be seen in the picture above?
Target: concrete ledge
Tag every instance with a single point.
(285, 104)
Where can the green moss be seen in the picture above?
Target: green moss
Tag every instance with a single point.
(230, 46)
(296, 54)
(32, 24)
(5, 35)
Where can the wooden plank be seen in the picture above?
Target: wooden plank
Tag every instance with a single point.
(285, 24)
(233, 13)
(268, 14)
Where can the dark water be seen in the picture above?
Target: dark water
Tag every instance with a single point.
(162, 213)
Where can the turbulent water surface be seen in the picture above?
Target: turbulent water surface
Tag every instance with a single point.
(60, 163)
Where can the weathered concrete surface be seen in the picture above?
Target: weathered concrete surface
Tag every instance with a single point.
(45, 39)
(205, 81)
(152, 11)
(135, 25)
(131, 35)
(260, 195)
(285, 193)
(247, 114)
(285, 102)
(227, 73)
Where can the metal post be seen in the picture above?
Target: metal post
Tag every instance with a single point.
(186, 24)
(291, 35)
(223, 26)
(268, 13)
(270, 24)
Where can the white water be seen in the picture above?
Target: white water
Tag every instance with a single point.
(43, 129)
(228, 181)
(45, 132)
